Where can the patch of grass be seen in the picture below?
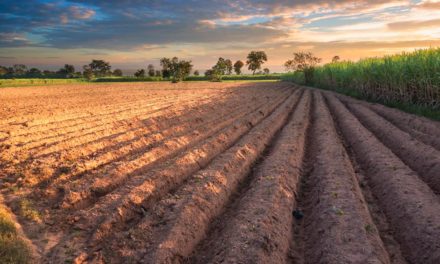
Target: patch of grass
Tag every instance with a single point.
(27, 211)
(129, 79)
(38, 82)
(243, 77)
(13, 249)
(369, 228)
(7, 226)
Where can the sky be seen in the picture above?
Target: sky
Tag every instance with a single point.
(131, 34)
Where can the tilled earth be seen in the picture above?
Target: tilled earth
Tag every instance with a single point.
(218, 173)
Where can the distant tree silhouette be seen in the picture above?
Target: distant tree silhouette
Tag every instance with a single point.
(117, 72)
(150, 69)
(237, 67)
(255, 59)
(303, 62)
(140, 73)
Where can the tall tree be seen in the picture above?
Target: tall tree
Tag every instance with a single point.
(228, 64)
(140, 73)
(335, 59)
(67, 71)
(166, 67)
(88, 72)
(237, 67)
(177, 69)
(221, 66)
(100, 68)
(255, 59)
(303, 62)
(34, 73)
(117, 72)
(150, 70)
(19, 69)
(3, 70)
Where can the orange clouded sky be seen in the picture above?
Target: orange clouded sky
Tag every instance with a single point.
(132, 34)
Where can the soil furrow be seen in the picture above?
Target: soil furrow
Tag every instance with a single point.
(208, 191)
(171, 118)
(409, 204)
(422, 158)
(126, 151)
(255, 228)
(142, 191)
(419, 127)
(336, 221)
(114, 152)
(103, 126)
(71, 124)
(114, 177)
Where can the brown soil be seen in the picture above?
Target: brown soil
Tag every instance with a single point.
(218, 173)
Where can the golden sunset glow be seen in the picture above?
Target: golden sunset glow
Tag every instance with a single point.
(133, 36)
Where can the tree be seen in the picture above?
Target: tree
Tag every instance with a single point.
(303, 62)
(158, 73)
(213, 75)
(335, 59)
(221, 67)
(117, 72)
(140, 73)
(100, 68)
(3, 70)
(150, 69)
(34, 73)
(67, 71)
(48, 73)
(88, 72)
(196, 73)
(266, 70)
(237, 67)
(255, 59)
(175, 68)
(166, 67)
(228, 64)
(19, 69)
(181, 69)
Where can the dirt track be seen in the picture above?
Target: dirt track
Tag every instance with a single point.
(212, 173)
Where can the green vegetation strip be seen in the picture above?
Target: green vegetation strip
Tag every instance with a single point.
(13, 249)
(36, 82)
(245, 77)
(408, 81)
(44, 82)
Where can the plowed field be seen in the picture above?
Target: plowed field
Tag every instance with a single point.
(218, 173)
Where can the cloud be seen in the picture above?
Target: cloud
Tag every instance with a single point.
(414, 25)
(13, 40)
(64, 19)
(431, 5)
(81, 12)
(131, 30)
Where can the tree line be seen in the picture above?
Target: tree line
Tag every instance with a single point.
(172, 69)
(97, 68)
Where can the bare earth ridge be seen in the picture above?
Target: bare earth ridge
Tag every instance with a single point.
(218, 173)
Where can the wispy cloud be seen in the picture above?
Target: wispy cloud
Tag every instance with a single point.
(132, 31)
